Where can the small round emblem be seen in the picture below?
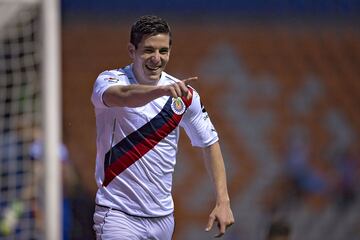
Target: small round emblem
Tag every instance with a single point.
(178, 106)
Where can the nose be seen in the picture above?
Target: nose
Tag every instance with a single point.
(156, 57)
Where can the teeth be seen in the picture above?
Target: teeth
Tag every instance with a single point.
(153, 68)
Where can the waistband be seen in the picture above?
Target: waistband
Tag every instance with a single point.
(131, 215)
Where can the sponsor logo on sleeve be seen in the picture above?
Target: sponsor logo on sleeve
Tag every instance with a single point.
(204, 112)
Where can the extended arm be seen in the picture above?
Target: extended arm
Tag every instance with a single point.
(139, 95)
(222, 211)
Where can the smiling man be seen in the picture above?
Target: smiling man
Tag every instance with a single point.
(139, 109)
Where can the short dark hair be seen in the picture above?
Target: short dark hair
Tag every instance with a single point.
(148, 25)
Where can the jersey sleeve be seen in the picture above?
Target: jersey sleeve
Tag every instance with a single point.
(197, 124)
(103, 82)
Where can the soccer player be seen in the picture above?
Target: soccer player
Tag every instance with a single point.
(139, 109)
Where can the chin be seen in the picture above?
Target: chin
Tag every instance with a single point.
(154, 77)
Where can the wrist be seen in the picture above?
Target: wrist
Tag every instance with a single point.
(223, 200)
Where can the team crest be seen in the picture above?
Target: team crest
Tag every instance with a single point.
(178, 106)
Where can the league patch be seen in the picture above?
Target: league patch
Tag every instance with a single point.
(112, 79)
(178, 106)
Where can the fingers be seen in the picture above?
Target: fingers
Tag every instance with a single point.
(173, 92)
(189, 80)
(210, 223)
(184, 86)
(222, 228)
(180, 89)
(222, 225)
(219, 235)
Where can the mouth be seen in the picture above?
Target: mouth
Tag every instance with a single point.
(153, 68)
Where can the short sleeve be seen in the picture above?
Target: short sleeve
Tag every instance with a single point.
(197, 124)
(103, 82)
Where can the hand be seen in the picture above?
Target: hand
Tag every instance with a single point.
(180, 89)
(223, 215)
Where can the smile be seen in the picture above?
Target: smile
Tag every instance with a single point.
(152, 68)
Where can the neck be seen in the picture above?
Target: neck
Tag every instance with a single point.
(144, 81)
(147, 81)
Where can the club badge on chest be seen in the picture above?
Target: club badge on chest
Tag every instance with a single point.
(178, 106)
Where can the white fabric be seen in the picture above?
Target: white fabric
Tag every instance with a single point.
(144, 188)
(111, 224)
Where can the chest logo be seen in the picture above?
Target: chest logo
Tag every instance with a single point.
(178, 106)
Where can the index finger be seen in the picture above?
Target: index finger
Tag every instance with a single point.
(189, 80)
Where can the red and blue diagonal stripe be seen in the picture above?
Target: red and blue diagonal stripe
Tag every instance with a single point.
(138, 143)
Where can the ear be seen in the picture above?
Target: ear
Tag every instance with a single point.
(131, 50)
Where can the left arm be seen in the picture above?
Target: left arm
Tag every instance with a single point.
(222, 211)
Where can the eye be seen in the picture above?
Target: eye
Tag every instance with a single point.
(164, 51)
(148, 50)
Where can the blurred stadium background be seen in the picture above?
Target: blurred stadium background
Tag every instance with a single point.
(280, 80)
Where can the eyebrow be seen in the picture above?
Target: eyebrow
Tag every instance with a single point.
(152, 48)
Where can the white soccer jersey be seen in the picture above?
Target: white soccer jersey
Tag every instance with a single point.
(136, 147)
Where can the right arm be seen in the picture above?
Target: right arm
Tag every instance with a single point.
(139, 95)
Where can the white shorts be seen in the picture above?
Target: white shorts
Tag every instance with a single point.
(111, 224)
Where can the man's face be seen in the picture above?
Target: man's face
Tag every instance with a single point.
(150, 58)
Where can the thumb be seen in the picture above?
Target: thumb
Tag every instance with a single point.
(210, 223)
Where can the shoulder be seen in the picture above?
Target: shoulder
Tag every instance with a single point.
(112, 76)
(109, 78)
